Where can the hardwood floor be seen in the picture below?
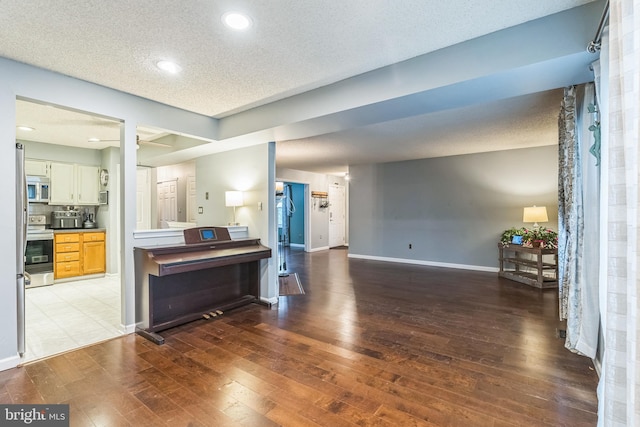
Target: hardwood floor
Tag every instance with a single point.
(369, 344)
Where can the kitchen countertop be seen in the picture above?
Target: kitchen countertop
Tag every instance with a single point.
(77, 230)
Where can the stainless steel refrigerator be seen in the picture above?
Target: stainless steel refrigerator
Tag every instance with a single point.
(22, 277)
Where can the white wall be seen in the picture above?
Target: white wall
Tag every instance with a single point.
(62, 154)
(8, 260)
(245, 170)
(107, 215)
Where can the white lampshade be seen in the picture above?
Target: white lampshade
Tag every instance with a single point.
(233, 198)
(535, 214)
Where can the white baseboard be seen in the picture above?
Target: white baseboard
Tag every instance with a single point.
(296, 245)
(427, 263)
(322, 248)
(9, 362)
(271, 301)
(128, 329)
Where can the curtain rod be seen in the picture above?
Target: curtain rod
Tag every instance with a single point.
(594, 45)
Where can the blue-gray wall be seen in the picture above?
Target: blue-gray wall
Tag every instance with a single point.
(452, 210)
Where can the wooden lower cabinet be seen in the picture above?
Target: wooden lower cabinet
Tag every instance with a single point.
(93, 257)
(78, 254)
(67, 255)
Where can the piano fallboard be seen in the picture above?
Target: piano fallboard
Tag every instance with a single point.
(212, 256)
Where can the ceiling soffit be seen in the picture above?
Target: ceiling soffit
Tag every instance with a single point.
(496, 66)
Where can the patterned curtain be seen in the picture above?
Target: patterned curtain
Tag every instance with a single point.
(619, 388)
(570, 224)
(578, 219)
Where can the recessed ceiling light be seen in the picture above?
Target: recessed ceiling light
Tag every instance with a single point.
(94, 139)
(236, 20)
(26, 128)
(168, 66)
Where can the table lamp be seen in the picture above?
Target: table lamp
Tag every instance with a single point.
(233, 199)
(535, 214)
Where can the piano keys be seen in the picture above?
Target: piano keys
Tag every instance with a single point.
(207, 275)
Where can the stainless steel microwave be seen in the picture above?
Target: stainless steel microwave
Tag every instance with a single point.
(38, 189)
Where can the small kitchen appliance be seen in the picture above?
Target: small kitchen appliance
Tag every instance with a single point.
(37, 189)
(66, 219)
(89, 222)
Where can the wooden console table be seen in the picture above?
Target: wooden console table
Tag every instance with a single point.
(539, 271)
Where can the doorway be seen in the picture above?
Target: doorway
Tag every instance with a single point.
(167, 203)
(337, 216)
(143, 198)
(291, 223)
(191, 199)
(290, 205)
(166, 196)
(84, 309)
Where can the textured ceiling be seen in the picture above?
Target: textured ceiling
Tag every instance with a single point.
(64, 127)
(293, 47)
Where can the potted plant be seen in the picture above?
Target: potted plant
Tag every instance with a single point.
(540, 237)
(507, 235)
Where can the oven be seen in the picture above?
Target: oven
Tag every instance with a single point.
(39, 252)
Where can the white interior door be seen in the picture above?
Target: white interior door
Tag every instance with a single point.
(143, 199)
(336, 215)
(167, 201)
(191, 199)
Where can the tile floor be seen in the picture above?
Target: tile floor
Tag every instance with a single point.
(70, 315)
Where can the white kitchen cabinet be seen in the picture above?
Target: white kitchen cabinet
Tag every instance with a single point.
(72, 184)
(63, 184)
(36, 167)
(87, 184)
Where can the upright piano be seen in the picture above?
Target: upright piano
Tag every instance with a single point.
(202, 278)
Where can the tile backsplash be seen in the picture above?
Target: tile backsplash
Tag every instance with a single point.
(44, 209)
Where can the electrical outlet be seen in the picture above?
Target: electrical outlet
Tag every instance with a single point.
(410, 246)
(200, 210)
(206, 195)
